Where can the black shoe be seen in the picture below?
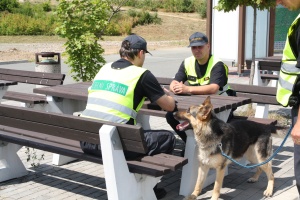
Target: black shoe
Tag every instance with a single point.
(159, 192)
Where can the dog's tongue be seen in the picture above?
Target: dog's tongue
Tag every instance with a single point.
(182, 126)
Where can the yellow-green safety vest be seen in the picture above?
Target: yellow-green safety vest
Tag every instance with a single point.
(289, 73)
(190, 69)
(111, 96)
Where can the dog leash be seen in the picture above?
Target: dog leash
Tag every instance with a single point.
(259, 164)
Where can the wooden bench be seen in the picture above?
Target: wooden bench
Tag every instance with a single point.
(266, 71)
(29, 77)
(60, 133)
(262, 95)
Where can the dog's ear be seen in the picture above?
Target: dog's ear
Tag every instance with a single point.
(206, 108)
(207, 101)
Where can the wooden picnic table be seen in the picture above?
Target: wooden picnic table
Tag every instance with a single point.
(72, 98)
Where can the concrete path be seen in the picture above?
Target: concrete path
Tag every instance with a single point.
(85, 180)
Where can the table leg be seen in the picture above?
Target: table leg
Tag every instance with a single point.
(3, 89)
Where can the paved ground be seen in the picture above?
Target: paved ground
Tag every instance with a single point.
(85, 180)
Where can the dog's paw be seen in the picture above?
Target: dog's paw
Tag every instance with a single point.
(268, 192)
(252, 180)
(191, 197)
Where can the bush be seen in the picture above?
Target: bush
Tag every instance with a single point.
(186, 6)
(18, 24)
(201, 8)
(8, 5)
(122, 23)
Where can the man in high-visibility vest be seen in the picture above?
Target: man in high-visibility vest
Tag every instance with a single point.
(289, 85)
(204, 73)
(118, 92)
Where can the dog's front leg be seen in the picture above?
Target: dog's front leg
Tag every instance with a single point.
(218, 183)
(202, 173)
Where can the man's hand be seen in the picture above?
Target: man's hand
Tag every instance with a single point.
(296, 133)
(180, 88)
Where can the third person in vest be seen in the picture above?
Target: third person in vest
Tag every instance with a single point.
(203, 72)
(289, 85)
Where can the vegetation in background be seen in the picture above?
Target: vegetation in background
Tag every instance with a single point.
(184, 6)
(26, 18)
(8, 5)
(123, 22)
(83, 23)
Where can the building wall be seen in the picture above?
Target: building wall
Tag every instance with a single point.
(283, 20)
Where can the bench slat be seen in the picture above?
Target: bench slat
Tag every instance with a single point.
(272, 65)
(151, 169)
(270, 76)
(259, 120)
(259, 98)
(170, 161)
(254, 89)
(25, 97)
(32, 80)
(24, 73)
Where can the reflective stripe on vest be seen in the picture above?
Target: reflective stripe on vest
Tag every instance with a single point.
(190, 68)
(111, 96)
(288, 72)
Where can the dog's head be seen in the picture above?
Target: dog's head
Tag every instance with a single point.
(194, 115)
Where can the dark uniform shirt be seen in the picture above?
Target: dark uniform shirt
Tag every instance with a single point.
(147, 85)
(218, 73)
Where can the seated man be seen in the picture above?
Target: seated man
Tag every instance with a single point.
(105, 102)
(204, 73)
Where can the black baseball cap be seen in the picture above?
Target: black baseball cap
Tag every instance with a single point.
(137, 42)
(198, 39)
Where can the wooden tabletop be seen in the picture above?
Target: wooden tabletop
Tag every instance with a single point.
(7, 83)
(79, 91)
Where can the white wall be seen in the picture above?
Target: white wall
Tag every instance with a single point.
(225, 34)
(225, 27)
(262, 33)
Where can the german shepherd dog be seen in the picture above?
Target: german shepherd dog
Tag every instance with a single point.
(240, 138)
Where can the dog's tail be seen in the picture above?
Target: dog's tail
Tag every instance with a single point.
(279, 131)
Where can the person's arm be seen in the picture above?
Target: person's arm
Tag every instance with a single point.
(166, 102)
(296, 130)
(180, 76)
(154, 92)
(180, 88)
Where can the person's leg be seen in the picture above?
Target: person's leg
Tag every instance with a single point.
(89, 148)
(159, 141)
(173, 123)
(296, 152)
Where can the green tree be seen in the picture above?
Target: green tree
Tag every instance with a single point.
(8, 5)
(81, 21)
(230, 5)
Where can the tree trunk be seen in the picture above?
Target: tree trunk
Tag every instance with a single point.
(253, 45)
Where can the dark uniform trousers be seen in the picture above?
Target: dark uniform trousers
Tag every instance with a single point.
(158, 141)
